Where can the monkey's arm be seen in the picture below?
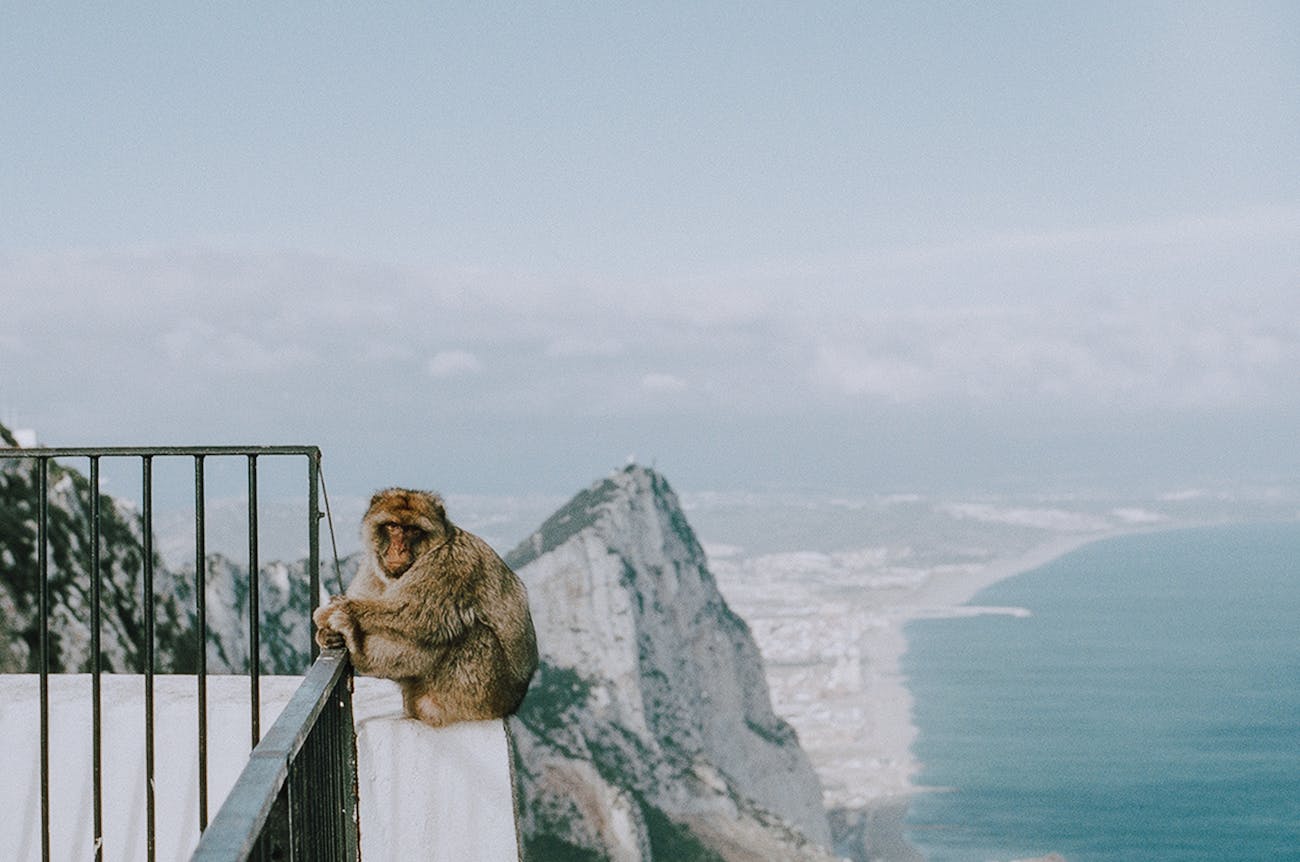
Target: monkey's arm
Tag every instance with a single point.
(378, 654)
(386, 639)
(432, 623)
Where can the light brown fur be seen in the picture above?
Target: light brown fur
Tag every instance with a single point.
(434, 608)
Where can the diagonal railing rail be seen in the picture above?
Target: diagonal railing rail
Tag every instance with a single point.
(319, 729)
(296, 800)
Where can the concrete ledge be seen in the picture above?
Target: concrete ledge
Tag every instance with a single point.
(426, 793)
(439, 794)
(176, 760)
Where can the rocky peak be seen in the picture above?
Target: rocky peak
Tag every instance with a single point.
(668, 692)
(606, 508)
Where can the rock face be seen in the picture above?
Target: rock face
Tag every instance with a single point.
(649, 733)
(68, 544)
(284, 614)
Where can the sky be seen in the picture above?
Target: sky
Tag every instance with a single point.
(867, 247)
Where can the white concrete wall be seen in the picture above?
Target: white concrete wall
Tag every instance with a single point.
(425, 794)
(436, 794)
(176, 760)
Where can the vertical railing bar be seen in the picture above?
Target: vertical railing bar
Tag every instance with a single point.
(43, 567)
(338, 769)
(324, 757)
(201, 610)
(146, 484)
(351, 775)
(313, 545)
(342, 783)
(328, 813)
(96, 600)
(334, 758)
(254, 646)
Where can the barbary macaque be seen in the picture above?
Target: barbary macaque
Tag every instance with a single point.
(434, 608)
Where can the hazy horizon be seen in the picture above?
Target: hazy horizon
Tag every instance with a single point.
(893, 248)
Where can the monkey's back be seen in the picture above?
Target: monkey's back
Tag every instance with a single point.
(486, 672)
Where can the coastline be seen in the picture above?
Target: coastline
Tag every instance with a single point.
(831, 629)
(944, 594)
(829, 616)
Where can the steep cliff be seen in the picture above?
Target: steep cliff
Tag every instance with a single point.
(649, 733)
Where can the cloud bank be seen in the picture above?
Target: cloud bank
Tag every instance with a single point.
(1191, 317)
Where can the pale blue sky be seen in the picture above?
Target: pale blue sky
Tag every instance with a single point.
(502, 248)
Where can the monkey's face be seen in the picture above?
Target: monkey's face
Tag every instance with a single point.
(400, 525)
(398, 546)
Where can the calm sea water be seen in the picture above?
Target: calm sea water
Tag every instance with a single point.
(1148, 710)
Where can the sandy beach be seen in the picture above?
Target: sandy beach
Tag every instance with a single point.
(833, 640)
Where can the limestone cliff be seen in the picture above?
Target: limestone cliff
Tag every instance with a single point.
(649, 733)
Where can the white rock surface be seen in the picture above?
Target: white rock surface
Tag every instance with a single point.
(651, 716)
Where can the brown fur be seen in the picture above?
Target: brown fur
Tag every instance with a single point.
(434, 608)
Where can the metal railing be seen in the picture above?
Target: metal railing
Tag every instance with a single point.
(323, 725)
(297, 797)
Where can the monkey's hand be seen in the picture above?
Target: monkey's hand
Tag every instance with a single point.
(330, 639)
(331, 625)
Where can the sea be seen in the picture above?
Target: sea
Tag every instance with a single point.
(1147, 709)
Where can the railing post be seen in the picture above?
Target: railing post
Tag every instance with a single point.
(147, 527)
(96, 598)
(254, 645)
(313, 543)
(201, 611)
(43, 568)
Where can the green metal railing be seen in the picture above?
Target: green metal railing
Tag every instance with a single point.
(313, 743)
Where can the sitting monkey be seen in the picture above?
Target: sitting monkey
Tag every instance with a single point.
(434, 608)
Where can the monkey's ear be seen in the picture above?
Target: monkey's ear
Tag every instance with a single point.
(436, 507)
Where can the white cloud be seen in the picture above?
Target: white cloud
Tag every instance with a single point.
(453, 363)
(384, 353)
(578, 346)
(1211, 355)
(856, 372)
(1139, 516)
(1185, 496)
(236, 352)
(754, 347)
(663, 383)
(1057, 520)
(722, 551)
